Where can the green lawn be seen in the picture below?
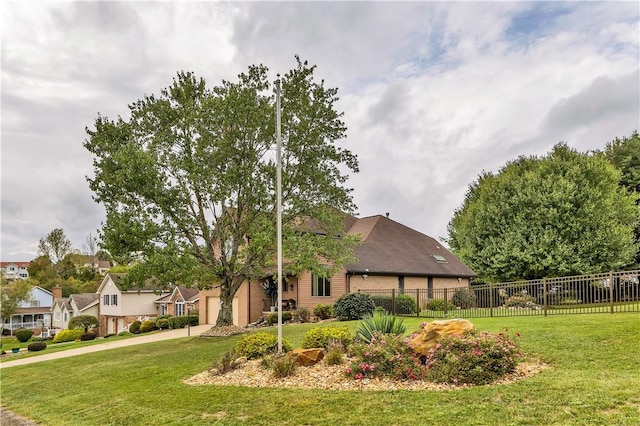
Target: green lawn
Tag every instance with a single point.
(594, 379)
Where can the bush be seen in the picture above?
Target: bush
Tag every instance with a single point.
(321, 336)
(256, 345)
(335, 352)
(353, 306)
(135, 327)
(386, 355)
(83, 321)
(302, 314)
(437, 305)
(464, 298)
(477, 358)
(88, 336)
(520, 301)
(405, 304)
(124, 333)
(273, 317)
(283, 365)
(6, 332)
(147, 326)
(37, 346)
(162, 323)
(182, 321)
(381, 323)
(323, 311)
(67, 335)
(227, 362)
(23, 334)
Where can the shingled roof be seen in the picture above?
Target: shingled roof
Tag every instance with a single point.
(390, 248)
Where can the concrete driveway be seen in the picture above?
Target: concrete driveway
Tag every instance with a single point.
(107, 345)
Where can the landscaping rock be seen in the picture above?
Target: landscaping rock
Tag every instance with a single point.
(429, 336)
(307, 357)
(228, 330)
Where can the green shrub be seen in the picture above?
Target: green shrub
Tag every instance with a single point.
(334, 354)
(162, 323)
(477, 358)
(182, 321)
(283, 365)
(226, 363)
(135, 327)
(273, 317)
(464, 298)
(437, 305)
(83, 321)
(520, 301)
(23, 334)
(164, 316)
(37, 346)
(405, 304)
(124, 333)
(386, 355)
(147, 326)
(320, 337)
(67, 335)
(87, 336)
(255, 345)
(353, 306)
(302, 314)
(381, 323)
(323, 311)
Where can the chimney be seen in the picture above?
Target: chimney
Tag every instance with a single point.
(57, 292)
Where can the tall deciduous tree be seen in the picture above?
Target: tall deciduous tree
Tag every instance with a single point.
(188, 181)
(557, 215)
(11, 296)
(56, 245)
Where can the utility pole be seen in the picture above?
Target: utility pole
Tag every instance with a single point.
(279, 207)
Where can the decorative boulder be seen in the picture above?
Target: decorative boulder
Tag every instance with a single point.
(429, 336)
(307, 357)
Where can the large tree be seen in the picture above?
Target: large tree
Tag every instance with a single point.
(561, 214)
(55, 245)
(188, 181)
(11, 296)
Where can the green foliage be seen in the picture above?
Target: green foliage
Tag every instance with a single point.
(256, 345)
(88, 336)
(273, 317)
(11, 296)
(225, 363)
(302, 314)
(558, 215)
(67, 335)
(464, 298)
(55, 245)
(23, 334)
(83, 321)
(198, 149)
(321, 337)
(37, 346)
(125, 333)
(520, 301)
(147, 326)
(284, 365)
(182, 321)
(353, 306)
(323, 311)
(334, 357)
(477, 358)
(405, 304)
(162, 323)
(381, 323)
(386, 355)
(437, 305)
(135, 327)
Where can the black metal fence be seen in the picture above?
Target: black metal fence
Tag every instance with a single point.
(607, 293)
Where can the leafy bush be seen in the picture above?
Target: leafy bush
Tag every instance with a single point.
(353, 306)
(163, 316)
(147, 326)
(124, 333)
(23, 334)
(464, 298)
(273, 317)
(37, 346)
(323, 311)
(382, 323)
(6, 332)
(302, 314)
(255, 345)
(405, 304)
(520, 301)
(87, 336)
(320, 337)
(67, 335)
(83, 321)
(182, 321)
(437, 305)
(335, 352)
(283, 365)
(135, 327)
(476, 358)
(386, 355)
(162, 323)
(227, 362)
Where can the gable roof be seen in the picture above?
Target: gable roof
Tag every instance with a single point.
(18, 264)
(84, 300)
(390, 248)
(62, 302)
(117, 278)
(189, 294)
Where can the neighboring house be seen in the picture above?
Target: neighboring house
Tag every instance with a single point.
(92, 262)
(179, 302)
(35, 313)
(12, 271)
(119, 307)
(391, 256)
(65, 308)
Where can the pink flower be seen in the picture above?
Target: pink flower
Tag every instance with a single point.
(438, 346)
(349, 371)
(358, 376)
(366, 353)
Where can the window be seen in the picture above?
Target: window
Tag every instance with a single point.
(35, 303)
(105, 299)
(56, 316)
(114, 299)
(179, 307)
(65, 317)
(440, 259)
(320, 286)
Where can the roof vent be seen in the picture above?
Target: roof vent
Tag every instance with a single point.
(439, 259)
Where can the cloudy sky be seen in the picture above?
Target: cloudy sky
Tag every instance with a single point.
(433, 92)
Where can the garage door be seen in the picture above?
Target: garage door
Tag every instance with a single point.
(213, 307)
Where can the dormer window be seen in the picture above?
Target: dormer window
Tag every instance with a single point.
(440, 259)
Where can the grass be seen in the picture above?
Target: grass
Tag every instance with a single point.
(593, 380)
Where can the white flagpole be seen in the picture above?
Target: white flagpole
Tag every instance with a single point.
(279, 208)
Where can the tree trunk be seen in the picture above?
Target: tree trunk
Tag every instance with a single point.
(228, 290)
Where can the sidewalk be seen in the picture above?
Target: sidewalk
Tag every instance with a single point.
(139, 340)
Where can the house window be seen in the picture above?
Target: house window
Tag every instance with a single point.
(35, 303)
(65, 317)
(179, 308)
(114, 299)
(320, 286)
(105, 299)
(56, 316)
(440, 259)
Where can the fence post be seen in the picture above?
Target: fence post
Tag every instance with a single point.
(544, 294)
(417, 302)
(393, 301)
(491, 299)
(445, 302)
(611, 289)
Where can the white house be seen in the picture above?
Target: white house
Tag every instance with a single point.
(35, 313)
(65, 308)
(14, 270)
